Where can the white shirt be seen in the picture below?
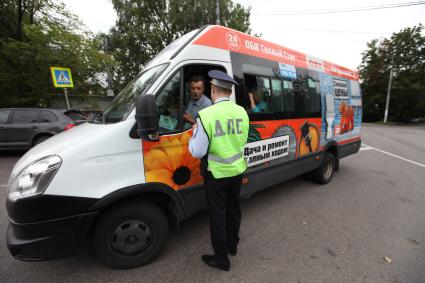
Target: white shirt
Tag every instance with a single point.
(198, 143)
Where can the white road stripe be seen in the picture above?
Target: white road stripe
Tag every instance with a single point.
(367, 147)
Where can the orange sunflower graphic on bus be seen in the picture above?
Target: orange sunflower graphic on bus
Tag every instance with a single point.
(170, 162)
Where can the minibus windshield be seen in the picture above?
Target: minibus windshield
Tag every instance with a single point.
(123, 104)
(171, 49)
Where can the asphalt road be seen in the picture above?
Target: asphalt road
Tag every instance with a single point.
(295, 232)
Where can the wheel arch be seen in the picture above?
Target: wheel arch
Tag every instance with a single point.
(332, 147)
(159, 194)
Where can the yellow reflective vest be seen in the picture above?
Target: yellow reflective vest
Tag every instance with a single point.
(226, 125)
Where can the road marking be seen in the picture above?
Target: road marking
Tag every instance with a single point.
(367, 147)
(3, 186)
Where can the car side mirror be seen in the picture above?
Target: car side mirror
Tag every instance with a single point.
(147, 118)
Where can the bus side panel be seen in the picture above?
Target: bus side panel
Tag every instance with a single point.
(348, 148)
(341, 111)
(265, 177)
(289, 126)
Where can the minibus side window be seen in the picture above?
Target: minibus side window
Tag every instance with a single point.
(288, 96)
(312, 100)
(168, 105)
(307, 94)
(300, 90)
(260, 90)
(264, 93)
(277, 96)
(272, 95)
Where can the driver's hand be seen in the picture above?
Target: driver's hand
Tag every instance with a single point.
(188, 118)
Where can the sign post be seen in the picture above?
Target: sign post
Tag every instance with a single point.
(62, 77)
(66, 97)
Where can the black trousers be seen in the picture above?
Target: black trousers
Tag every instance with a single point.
(225, 214)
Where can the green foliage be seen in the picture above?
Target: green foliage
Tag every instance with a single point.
(38, 34)
(145, 27)
(408, 85)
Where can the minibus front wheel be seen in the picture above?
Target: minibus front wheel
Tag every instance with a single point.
(130, 235)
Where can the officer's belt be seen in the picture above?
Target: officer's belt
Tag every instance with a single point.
(230, 160)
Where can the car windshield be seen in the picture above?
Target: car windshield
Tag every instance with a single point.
(123, 104)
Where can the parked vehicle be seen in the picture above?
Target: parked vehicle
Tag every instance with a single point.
(122, 179)
(76, 115)
(23, 128)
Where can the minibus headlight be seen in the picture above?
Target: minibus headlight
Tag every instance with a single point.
(34, 178)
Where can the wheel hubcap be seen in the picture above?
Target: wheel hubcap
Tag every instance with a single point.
(328, 169)
(131, 237)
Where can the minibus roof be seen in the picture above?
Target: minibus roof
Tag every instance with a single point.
(174, 48)
(235, 41)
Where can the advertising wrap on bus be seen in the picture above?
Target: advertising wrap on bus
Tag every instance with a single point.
(121, 181)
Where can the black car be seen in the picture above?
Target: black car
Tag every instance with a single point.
(22, 128)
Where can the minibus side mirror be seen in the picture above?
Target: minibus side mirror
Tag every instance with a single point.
(147, 118)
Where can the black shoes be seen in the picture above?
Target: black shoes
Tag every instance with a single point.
(210, 261)
(233, 252)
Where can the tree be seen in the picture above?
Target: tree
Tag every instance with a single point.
(145, 27)
(407, 48)
(14, 14)
(38, 34)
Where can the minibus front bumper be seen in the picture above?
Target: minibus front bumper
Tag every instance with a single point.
(46, 227)
(48, 239)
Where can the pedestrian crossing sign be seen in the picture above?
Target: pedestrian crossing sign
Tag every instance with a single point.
(61, 77)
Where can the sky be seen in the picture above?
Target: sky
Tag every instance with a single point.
(337, 37)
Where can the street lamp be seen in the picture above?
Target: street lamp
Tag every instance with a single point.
(387, 104)
(217, 12)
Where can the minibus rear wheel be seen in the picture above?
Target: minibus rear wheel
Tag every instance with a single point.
(130, 235)
(325, 172)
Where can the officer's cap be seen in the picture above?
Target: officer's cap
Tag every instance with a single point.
(221, 79)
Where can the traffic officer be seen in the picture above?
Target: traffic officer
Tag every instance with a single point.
(219, 137)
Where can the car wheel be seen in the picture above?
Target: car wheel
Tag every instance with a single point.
(40, 139)
(325, 172)
(130, 235)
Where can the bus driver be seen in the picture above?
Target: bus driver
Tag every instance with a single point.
(198, 100)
